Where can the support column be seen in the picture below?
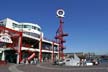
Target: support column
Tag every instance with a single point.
(19, 55)
(59, 52)
(62, 54)
(53, 52)
(40, 49)
(3, 56)
(17, 58)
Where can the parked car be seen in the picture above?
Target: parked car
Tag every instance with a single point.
(88, 63)
(59, 62)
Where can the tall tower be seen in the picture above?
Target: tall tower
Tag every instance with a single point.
(60, 34)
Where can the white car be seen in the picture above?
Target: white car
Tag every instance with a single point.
(89, 64)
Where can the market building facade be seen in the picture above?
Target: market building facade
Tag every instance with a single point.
(25, 41)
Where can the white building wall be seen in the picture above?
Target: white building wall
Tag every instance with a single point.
(9, 24)
(30, 28)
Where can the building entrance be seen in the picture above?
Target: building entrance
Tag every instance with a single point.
(10, 56)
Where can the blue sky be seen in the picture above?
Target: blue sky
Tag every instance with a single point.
(86, 21)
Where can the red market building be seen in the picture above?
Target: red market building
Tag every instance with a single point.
(25, 41)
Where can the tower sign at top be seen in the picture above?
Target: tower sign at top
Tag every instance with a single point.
(60, 13)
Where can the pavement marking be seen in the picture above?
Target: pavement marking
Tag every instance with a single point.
(13, 68)
(45, 67)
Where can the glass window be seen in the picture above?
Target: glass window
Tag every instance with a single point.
(32, 34)
(15, 25)
(55, 48)
(20, 26)
(39, 29)
(33, 27)
(27, 26)
(0, 56)
(2, 24)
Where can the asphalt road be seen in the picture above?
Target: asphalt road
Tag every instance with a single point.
(4, 68)
(47, 67)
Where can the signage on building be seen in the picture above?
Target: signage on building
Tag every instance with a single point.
(60, 13)
(5, 38)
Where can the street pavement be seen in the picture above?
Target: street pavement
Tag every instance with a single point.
(4, 68)
(48, 67)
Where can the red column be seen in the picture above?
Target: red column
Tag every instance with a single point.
(53, 52)
(59, 51)
(40, 46)
(20, 53)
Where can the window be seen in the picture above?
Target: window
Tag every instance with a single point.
(2, 24)
(20, 26)
(55, 48)
(39, 29)
(33, 27)
(15, 25)
(0, 56)
(32, 34)
(27, 26)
